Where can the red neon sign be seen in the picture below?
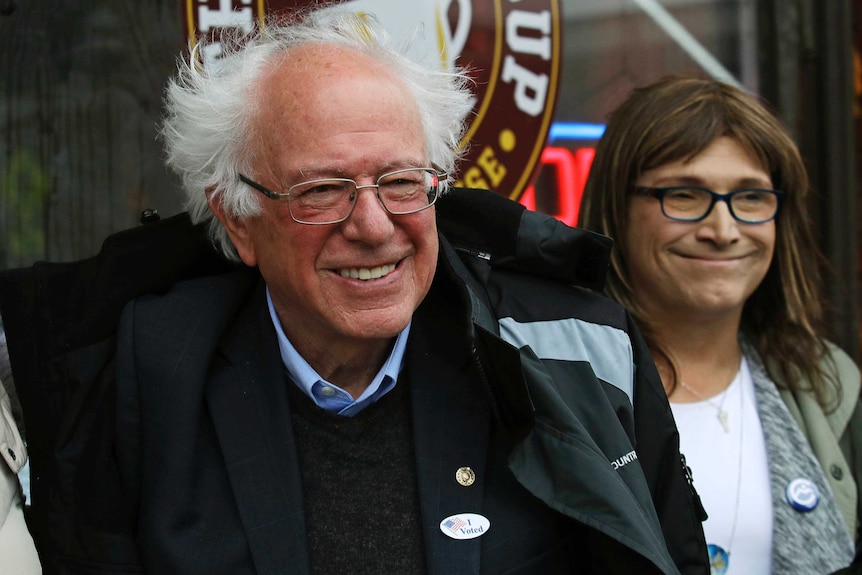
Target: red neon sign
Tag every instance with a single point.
(571, 170)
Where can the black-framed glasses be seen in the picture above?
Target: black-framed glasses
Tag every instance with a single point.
(693, 204)
(331, 200)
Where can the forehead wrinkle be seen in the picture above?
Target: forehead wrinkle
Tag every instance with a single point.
(296, 85)
(303, 67)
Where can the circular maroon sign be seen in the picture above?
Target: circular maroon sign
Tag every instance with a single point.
(512, 49)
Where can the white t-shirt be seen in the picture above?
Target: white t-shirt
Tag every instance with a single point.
(731, 473)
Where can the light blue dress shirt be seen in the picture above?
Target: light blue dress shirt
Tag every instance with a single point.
(327, 395)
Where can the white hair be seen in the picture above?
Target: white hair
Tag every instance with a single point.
(211, 103)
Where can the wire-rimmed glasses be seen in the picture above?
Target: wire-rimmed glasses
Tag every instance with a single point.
(331, 200)
(693, 204)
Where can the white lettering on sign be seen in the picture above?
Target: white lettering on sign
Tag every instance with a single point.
(531, 89)
(222, 17)
(541, 22)
(225, 16)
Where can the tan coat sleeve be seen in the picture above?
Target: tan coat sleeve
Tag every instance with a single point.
(16, 545)
(825, 430)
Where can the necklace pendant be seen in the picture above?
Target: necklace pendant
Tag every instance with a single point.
(722, 418)
(719, 559)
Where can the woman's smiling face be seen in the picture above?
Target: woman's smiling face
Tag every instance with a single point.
(704, 268)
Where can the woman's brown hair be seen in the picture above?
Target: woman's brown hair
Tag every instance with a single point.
(675, 119)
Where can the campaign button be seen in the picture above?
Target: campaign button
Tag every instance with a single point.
(802, 494)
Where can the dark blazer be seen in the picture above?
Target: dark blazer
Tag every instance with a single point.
(207, 447)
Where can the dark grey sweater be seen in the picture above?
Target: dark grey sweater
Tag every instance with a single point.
(359, 486)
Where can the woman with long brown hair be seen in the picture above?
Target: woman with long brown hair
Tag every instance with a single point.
(705, 194)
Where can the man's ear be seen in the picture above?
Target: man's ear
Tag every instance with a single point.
(237, 228)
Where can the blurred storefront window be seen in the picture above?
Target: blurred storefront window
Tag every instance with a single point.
(81, 89)
(613, 46)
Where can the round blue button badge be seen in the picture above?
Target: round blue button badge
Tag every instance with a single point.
(802, 494)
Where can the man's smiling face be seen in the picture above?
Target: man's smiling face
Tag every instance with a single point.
(335, 113)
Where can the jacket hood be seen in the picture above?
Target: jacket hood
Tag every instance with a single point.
(520, 240)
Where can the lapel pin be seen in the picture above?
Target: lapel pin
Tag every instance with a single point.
(465, 476)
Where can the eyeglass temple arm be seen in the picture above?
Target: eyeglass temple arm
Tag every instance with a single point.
(259, 188)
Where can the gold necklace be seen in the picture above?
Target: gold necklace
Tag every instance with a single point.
(719, 408)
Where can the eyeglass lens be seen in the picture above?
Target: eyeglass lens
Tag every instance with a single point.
(745, 205)
(331, 200)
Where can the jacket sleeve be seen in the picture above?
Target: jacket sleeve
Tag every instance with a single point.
(834, 433)
(676, 501)
(851, 446)
(16, 544)
(850, 440)
(96, 527)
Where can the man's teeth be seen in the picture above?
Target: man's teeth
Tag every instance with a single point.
(368, 273)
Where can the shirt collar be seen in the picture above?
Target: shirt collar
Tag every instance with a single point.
(327, 395)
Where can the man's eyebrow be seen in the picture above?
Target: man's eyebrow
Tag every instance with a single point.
(339, 172)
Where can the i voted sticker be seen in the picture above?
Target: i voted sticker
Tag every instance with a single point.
(465, 526)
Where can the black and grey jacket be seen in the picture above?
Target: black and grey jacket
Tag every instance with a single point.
(530, 283)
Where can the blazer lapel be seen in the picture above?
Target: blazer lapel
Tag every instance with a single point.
(248, 400)
(451, 426)
(249, 406)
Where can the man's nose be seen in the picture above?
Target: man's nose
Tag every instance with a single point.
(369, 221)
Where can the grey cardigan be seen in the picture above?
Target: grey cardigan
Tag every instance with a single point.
(810, 449)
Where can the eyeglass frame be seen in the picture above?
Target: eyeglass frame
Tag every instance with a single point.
(285, 196)
(715, 197)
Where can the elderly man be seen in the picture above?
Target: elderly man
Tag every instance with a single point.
(367, 393)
